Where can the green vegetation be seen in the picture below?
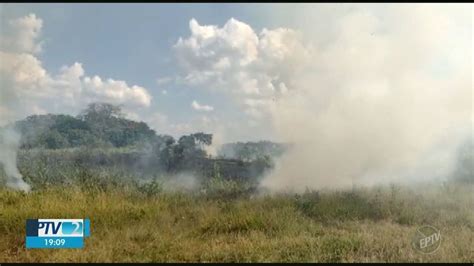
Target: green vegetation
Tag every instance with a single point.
(100, 135)
(100, 124)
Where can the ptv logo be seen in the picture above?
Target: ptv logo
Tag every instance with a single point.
(52, 228)
(56, 227)
(56, 233)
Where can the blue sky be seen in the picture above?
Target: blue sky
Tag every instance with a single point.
(134, 43)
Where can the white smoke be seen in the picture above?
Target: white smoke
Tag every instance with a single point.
(9, 142)
(181, 182)
(217, 141)
(379, 94)
(387, 101)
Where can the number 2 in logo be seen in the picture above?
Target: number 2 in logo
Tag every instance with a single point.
(77, 228)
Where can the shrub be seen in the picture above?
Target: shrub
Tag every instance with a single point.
(154, 187)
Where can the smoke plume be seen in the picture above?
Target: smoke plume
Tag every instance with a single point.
(364, 93)
(389, 100)
(9, 142)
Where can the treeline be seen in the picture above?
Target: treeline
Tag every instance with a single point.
(103, 126)
(99, 125)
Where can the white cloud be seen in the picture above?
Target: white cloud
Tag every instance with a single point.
(199, 107)
(246, 65)
(27, 87)
(20, 35)
(116, 91)
(206, 45)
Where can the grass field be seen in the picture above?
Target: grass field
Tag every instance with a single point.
(224, 224)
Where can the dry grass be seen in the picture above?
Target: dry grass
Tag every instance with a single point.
(133, 225)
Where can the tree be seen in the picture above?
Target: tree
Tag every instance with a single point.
(193, 145)
(166, 153)
(202, 139)
(185, 153)
(53, 140)
(101, 111)
(106, 121)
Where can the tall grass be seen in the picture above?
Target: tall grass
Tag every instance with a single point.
(221, 220)
(144, 223)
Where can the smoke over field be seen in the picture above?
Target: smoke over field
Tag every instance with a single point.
(365, 93)
(389, 99)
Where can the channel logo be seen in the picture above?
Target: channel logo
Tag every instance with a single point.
(56, 233)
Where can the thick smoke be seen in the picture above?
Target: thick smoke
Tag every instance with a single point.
(9, 142)
(389, 100)
(364, 93)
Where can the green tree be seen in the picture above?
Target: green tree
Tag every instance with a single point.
(100, 112)
(106, 121)
(53, 140)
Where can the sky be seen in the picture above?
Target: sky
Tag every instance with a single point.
(132, 43)
(218, 68)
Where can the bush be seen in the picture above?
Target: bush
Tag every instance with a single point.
(151, 188)
(226, 189)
